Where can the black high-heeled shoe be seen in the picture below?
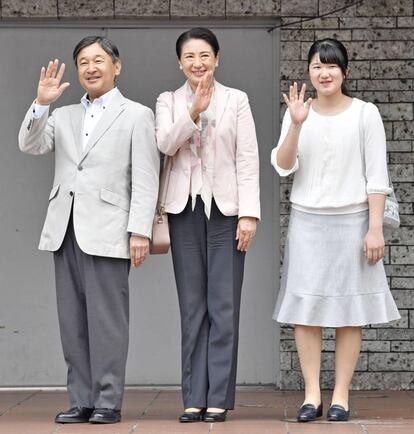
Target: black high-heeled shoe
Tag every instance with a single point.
(308, 412)
(192, 416)
(215, 417)
(337, 413)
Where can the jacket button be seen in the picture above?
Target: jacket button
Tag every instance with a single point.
(80, 167)
(71, 193)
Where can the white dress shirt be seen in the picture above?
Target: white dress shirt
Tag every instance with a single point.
(93, 112)
(341, 159)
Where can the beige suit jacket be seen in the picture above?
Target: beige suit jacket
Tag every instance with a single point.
(236, 162)
(112, 184)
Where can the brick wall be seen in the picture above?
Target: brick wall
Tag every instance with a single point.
(379, 35)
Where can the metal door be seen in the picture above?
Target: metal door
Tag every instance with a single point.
(29, 335)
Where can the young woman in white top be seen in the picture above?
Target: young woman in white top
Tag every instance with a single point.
(333, 274)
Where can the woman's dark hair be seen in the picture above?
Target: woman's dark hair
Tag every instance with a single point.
(197, 33)
(331, 51)
(105, 43)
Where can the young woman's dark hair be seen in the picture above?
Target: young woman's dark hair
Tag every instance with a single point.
(331, 51)
(197, 33)
(106, 44)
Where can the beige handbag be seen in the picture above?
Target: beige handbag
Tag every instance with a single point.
(160, 240)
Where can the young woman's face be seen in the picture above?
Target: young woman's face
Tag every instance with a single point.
(197, 57)
(326, 78)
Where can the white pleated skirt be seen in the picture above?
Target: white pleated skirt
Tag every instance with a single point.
(326, 279)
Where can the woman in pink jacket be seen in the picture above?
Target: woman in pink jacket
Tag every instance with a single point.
(213, 204)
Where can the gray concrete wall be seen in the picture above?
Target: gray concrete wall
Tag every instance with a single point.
(379, 35)
(29, 337)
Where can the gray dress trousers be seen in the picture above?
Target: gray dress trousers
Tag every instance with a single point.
(209, 274)
(93, 310)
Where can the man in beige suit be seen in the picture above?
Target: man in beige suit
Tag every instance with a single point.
(99, 219)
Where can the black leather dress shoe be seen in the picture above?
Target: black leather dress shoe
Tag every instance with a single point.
(337, 413)
(105, 415)
(74, 415)
(309, 412)
(215, 417)
(192, 416)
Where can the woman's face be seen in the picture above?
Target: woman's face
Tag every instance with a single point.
(197, 57)
(326, 78)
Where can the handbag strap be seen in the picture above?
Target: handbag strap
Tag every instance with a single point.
(362, 146)
(166, 165)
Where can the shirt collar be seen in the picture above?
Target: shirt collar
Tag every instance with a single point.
(100, 102)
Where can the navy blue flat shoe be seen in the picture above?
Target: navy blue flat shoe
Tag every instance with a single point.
(337, 413)
(308, 412)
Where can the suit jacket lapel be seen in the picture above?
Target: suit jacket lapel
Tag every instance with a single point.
(222, 98)
(114, 109)
(77, 115)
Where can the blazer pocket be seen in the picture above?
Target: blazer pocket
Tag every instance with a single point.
(54, 192)
(115, 199)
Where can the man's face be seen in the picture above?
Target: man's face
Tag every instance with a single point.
(96, 70)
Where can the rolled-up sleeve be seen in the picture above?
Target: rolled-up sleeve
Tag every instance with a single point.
(375, 152)
(273, 156)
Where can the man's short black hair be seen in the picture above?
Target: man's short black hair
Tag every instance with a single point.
(106, 44)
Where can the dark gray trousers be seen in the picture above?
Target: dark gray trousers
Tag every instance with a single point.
(93, 310)
(209, 274)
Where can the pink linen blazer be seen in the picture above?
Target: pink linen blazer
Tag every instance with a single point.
(236, 163)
